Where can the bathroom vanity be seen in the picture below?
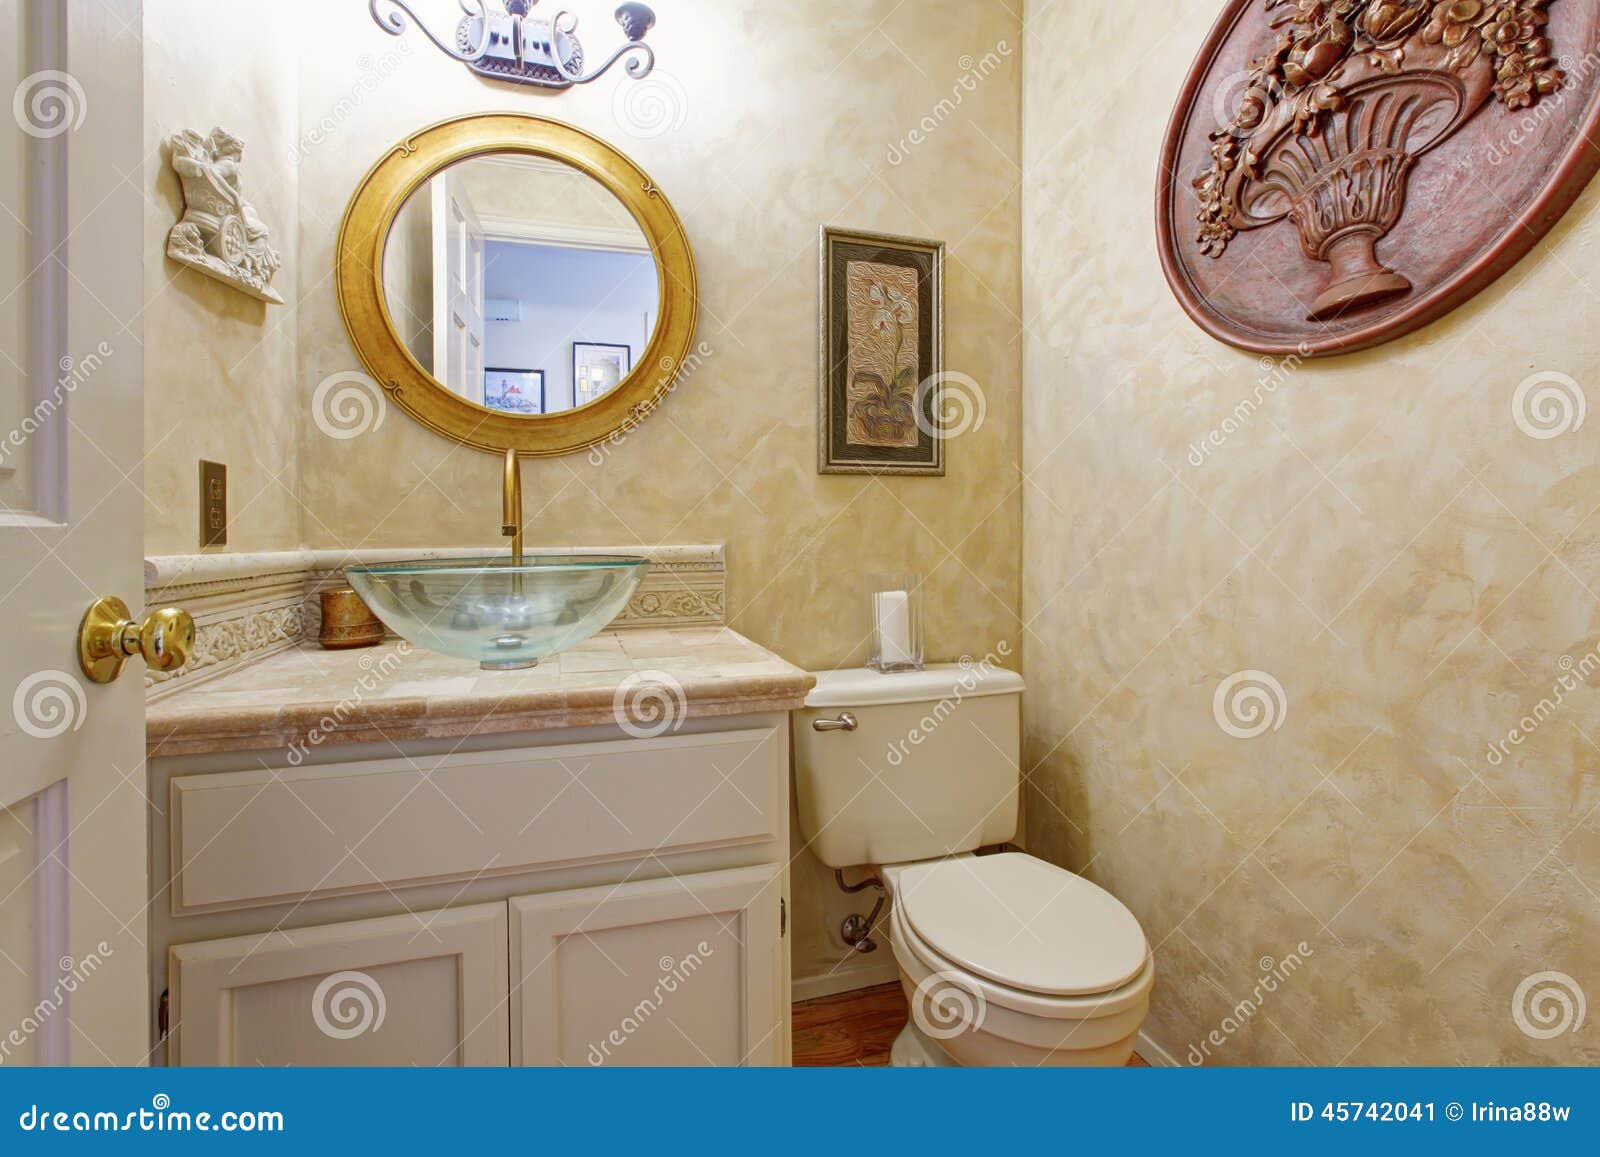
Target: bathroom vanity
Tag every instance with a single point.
(388, 857)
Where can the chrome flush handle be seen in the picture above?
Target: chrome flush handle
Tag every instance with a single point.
(845, 722)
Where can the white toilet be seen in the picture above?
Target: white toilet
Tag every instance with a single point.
(1004, 958)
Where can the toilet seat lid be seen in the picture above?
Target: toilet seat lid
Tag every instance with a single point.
(1024, 923)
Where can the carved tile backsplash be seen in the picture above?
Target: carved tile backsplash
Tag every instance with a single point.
(232, 642)
(249, 606)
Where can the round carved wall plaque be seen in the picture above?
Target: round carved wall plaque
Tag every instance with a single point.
(1338, 173)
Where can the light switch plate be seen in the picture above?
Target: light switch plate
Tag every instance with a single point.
(213, 504)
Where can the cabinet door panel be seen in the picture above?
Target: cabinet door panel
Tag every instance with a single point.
(423, 989)
(681, 971)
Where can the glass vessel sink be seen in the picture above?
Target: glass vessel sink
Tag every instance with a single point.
(504, 616)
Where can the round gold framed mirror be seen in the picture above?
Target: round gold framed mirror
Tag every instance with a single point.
(515, 283)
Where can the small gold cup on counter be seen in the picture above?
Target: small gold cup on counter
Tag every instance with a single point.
(348, 622)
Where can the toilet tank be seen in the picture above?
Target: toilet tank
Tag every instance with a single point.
(931, 769)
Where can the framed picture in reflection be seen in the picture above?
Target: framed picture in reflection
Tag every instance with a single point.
(597, 367)
(514, 391)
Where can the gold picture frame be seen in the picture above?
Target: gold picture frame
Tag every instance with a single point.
(879, 398)
(358, 265)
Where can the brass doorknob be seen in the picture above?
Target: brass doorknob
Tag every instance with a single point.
(109, 636)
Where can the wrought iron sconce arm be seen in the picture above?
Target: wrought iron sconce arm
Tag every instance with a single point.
(638, 66)
(393, 21)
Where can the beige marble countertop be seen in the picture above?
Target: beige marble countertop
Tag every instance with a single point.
(310, 697)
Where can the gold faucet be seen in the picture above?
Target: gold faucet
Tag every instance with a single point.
(511, 506)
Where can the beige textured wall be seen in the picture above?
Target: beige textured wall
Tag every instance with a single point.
(762, 123)
(220, 372)
(1380, 537)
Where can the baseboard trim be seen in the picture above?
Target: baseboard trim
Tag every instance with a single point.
(1154, 1054)
(833, 983)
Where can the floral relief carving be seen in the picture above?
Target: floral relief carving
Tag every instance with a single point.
(679, 606)
(236, 640)
(1335, 114)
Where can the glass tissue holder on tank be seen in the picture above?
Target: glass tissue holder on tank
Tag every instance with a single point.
(896, 622)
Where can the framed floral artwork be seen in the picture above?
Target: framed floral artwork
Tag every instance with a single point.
(882, 349)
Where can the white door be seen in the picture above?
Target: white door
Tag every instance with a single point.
(426, 989)
(457, 289)
(72, 809)
(681, 971)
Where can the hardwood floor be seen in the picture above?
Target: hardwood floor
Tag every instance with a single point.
(854, 1028)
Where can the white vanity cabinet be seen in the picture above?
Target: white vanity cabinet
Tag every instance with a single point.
(563, 897)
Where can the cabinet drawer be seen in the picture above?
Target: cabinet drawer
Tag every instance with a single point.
(244, 839)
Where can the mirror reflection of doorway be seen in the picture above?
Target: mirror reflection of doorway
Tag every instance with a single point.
(458, 328)
(525, 264)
